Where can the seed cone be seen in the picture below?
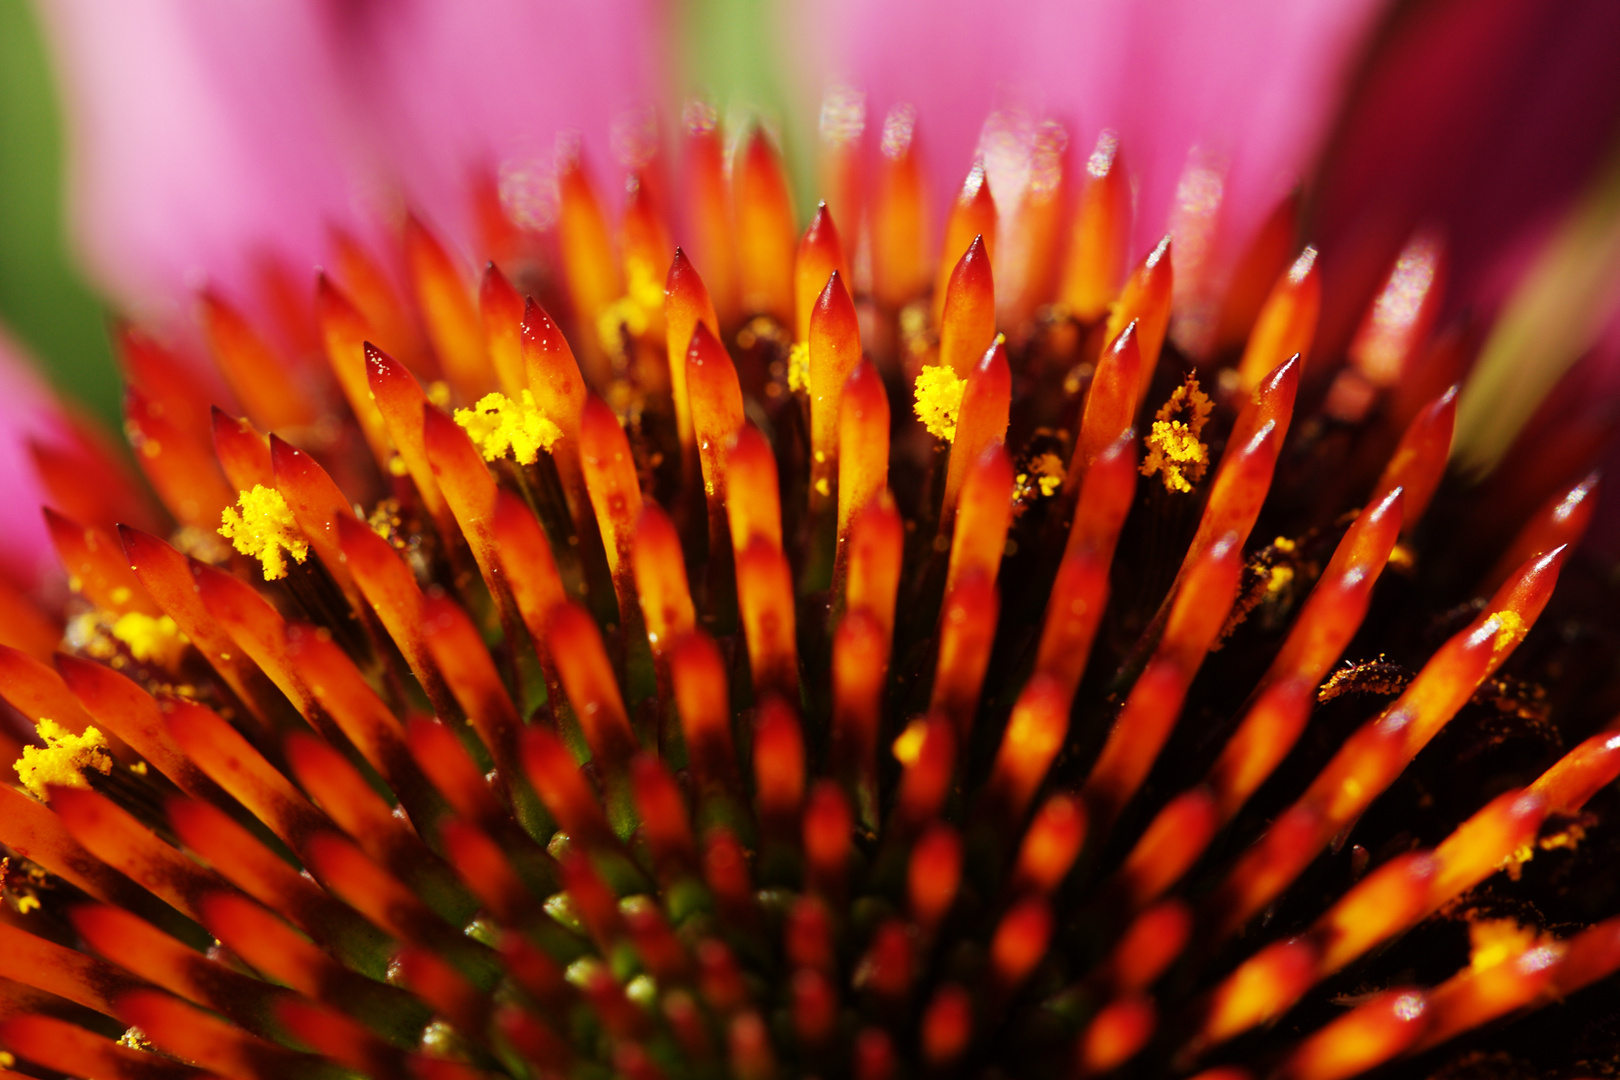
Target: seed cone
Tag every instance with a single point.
(809, 679)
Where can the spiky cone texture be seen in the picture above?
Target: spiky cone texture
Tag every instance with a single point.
(671, 716)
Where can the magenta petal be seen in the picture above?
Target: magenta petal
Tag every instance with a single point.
(28, 411)
(1252, 84)
(449, 87)
(203, 137)
(1482, 119)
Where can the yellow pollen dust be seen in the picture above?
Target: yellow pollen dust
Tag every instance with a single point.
(261, 526)
(938, 395)
(1510, 630)
(1495, 941)
(1175, 452)
(624, 314)
(909, 743)
(500, 426)
(150, 640)
(798, 374)
(62, 759)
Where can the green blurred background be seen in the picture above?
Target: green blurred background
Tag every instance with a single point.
(43, 301)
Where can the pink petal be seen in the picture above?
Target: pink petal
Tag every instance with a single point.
(1482, 119)
(203, 136)
(448, 87)
(1251, 84)
(28, 411)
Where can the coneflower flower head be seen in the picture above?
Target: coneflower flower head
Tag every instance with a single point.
(790, 659)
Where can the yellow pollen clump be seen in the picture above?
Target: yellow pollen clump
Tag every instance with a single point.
(152, 640)
(798, 374)
(938, 395)
(625, 313)
(909, 743)
(62, 759)
(1175, 451)
(1510, 630)
(500, 426)
(1495, 941)
(263, 528)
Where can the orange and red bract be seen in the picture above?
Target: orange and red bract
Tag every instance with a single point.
(664, 817)
(1148, 945)
(972, 218)
(1094, 269)
(592, 688)
(1368, 1035)
(590, 266)
(967, 310)
(981, 423)
(615, 492)
(863, 449)
(835, 350)
(178, 464)
(183, 393)
(717, 413)
(828, 823)
(1562, 520)
(1073, 612)
(468, 670)
(24, 626)
(448, 312)
(984, 511)
(1050, 845)
(1399, 319)
(1243, 478)
(1143, 725)
(967, 630)
(243, 357)
(899, 213)
(860, 660)
(933, 876)
(97, 566)
(709, 209)
(1115, 1035)
(925, 783)
(765, 602)
(80, 476)
(660, 575)
(390, 588)
(765, 230)
(1035, 732)
(1419, 461)
(317, 505)
(244, 453)
(645, 245)
(686, 304)
(1145, 301)
(876, 543)
(400, 400)
(819, 256)
(1167, 848)
(1110, 403)
(704, 702)
(753, 496)
(344, 333)
(500, 311)
(123, 709)
(1325, 625)
(779, 765)
(1020, 941)
(947, 1026)
(1286, 324)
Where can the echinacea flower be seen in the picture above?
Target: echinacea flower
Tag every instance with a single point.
(797, 653)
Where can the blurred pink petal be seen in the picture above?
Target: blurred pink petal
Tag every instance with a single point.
(207, 135)
(1481, 119)
(1250, 87)
(449, 87)
(27, 411)
(203, 135)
